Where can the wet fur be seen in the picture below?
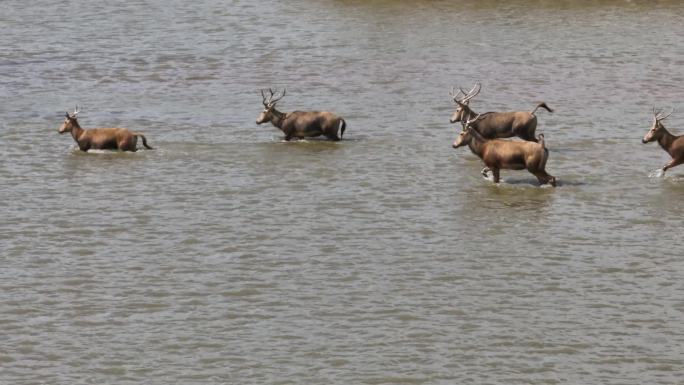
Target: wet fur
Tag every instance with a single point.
(102, 138)
(672, 144)
(499, 154)
(301, 124)
(305, 124)
(492, 125)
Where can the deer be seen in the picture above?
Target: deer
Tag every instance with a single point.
(672, 144)
(500, 154)
(494, 125)
(101, 138)
(300, 124)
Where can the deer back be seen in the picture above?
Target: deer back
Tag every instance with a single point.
(512, 154)
(504, 124)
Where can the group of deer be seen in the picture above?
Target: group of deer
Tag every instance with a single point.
(482, 133)
(296, 124)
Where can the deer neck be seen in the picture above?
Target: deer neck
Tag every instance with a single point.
(467, 114)
(76, 131)
(278, 118)
(476, 144)
(666, 139)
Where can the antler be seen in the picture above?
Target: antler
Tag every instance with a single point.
(472, 93)
(264, 101)
(455, 95)
(470, 121)
(278, 98)
(474, 120)
(270, 102)
(466, 95)
(73, 114)
(658, 114)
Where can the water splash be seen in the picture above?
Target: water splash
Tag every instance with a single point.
(659, 173)
(97, 151)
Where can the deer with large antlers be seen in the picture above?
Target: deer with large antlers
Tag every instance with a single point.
(101, 138)
(300, 124)
(674, 145)
(493, 125)
(500, 154)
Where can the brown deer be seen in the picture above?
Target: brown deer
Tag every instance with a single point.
(674, 145)
(300, 124)
(101, 138)
(500, 154)
(494, 125)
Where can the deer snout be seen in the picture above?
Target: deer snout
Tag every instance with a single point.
(261, 118)
(455, 117)
(649, 137)
(460, 140)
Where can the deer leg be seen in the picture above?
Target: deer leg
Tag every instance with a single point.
(543, 177)
(673, 162)
(128, 144)
(495, 173)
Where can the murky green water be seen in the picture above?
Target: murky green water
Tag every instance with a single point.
(227, 256)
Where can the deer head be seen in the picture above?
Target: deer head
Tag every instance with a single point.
(70, 121)
(657, 128)
(462, 109)
(269, 105)
(467, 133)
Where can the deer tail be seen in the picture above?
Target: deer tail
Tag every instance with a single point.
(543, 105)
(344, 126)
(144, 140)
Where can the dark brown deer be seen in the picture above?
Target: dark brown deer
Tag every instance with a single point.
(674, 145)
(300, 124)
(500, 154)
(493, 125)
(101, 138)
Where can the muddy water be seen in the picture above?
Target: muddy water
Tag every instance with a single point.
(227, 256)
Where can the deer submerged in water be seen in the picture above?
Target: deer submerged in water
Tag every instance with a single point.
(500, 154)
(300, 124)
(492, 125)
(101, 138)
(674, 145)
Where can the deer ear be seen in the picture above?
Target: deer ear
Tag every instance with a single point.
(67, 114)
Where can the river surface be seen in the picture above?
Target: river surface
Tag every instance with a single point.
(228, 256)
